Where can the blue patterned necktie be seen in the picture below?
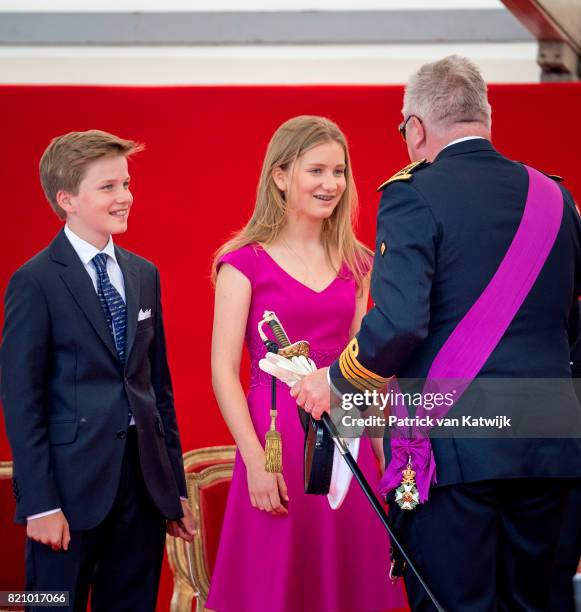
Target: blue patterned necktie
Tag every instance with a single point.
(112, 304)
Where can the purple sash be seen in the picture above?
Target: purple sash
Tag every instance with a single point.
(479, 332)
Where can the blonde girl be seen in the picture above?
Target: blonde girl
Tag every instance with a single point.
(282, 550)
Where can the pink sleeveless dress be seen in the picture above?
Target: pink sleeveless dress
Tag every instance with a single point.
(314, 559)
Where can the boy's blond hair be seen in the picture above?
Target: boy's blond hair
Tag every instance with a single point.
(63, 163)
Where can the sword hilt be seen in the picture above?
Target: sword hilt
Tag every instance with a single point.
(277, 329)
(279, 333)
(284, 347)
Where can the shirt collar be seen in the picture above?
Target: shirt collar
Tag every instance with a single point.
(85, 250)
(462, 140)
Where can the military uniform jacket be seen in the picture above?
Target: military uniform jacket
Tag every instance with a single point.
(441, 235)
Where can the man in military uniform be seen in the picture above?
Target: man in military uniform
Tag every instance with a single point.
(485, 539)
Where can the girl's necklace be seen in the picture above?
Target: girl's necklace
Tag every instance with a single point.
(303, 262)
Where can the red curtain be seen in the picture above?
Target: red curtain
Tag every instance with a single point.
(195, 182)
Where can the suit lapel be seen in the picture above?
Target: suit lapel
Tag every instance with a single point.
(132, 287)
(81, 287)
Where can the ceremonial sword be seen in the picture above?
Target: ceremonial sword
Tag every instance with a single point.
(286, 351)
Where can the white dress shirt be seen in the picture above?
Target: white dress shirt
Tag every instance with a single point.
(86, 252)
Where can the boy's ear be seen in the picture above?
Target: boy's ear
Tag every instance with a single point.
(279, 176)
(63, 199)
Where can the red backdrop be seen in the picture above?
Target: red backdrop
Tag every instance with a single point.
(195, 182)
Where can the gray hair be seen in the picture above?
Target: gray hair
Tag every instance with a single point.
(448, 92)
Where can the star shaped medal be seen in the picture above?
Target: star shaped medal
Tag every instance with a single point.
(407, 496)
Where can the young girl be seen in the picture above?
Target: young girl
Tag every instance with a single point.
(282, 550)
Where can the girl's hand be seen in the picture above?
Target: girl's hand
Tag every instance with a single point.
(267, 491)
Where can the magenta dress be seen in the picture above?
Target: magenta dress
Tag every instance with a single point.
(314, 559)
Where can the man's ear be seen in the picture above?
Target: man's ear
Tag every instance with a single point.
(63, 199)
(418, 133)
(280, 178)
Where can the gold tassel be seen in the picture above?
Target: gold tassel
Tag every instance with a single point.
(273, 447)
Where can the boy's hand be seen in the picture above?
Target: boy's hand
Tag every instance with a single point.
(51, 530)
(184, 528)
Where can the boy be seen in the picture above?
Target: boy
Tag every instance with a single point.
(87, 393)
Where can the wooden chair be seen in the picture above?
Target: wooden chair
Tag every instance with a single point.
(208, 475)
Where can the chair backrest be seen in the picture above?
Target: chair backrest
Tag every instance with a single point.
(208, 475)
(12, 536)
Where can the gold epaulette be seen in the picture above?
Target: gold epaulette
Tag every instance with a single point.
(355, 373)
(405, 174)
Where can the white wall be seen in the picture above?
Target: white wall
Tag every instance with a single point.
(238, 5)
(500, 63)
(250, 64)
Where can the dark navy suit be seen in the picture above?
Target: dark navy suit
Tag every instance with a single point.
(569, 548)
(441, 236)
(66, 398)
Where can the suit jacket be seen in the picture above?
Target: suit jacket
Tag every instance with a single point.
(440, 239)
(66, 395)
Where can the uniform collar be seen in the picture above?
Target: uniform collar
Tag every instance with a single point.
(463, 139)
(85, 250)
(465, 145)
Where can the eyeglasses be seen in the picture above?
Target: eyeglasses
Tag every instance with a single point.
(402, 126)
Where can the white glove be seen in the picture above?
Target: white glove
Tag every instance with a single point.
(289, 371)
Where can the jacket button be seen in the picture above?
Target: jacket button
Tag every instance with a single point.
(121, 434)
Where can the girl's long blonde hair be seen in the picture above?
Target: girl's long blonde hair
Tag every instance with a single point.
(289, 142)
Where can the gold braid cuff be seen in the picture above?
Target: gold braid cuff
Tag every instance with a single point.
(356, 373)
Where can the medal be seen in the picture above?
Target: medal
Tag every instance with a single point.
(407, 496)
